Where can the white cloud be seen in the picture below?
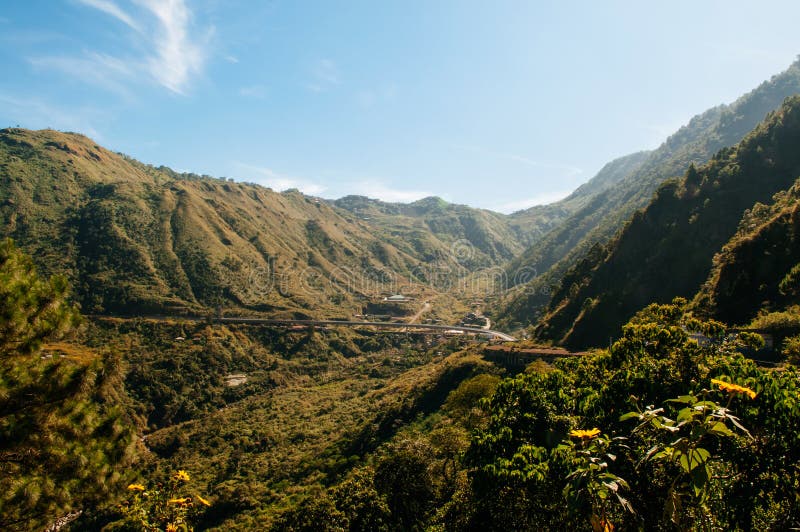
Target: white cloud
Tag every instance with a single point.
(162, 27)
(540, 199)
(368, 187)
(383, 192)
(101, 70)
(280, 182)
(565, 169)
(110, 8)
(177, 57)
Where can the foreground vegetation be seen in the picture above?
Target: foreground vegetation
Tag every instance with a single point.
(337, 431)
(656, 433)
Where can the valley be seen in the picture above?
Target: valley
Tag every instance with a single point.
(182, 351)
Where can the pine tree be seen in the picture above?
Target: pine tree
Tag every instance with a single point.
(64, 434)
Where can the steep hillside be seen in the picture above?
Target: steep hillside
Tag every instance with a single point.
(134, 239)
(666, 249)
(433, 229)
(480, 238)
(759, 268)
(544, 264)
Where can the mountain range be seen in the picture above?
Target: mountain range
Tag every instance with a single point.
(137, 239)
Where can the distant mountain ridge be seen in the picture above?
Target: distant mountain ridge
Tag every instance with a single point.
(666, 250)
(134, 238)
(596, 223)
(431, 227)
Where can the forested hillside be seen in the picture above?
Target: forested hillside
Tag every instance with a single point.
(600, 220)
(758, 269)
(136, 239)
(433, 229)
(666, 250)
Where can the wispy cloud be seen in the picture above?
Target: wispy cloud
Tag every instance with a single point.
(371, 188)
(324, 75)
(540, 199)
(97, 69)
(110, 8)
(382, 191)
(565, 169)
(175, 53)
(277, 181)
(177, 56)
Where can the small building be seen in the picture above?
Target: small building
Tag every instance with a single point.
(397, 298)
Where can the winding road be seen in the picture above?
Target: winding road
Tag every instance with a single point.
(328, 323)
(377, 324)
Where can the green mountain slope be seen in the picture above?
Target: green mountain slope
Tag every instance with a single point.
(133, 238)
(546, 262)
(759, 268)
(433, 229)
(666, 249)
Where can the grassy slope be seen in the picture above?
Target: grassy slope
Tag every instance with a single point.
(134, 238)
(438, 230)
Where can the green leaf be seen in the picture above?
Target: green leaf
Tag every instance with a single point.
(683, 399)
(694, 458)
(720, 429)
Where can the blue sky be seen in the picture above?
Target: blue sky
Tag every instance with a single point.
(500, 104)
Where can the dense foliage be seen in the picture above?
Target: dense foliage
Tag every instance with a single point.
(608, 211)
(655, 433)
(666, 250)
(759, 268)
(64, 433)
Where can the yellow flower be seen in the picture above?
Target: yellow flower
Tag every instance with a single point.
(585, 434)
(734, 388)
(203, 501)
(135, 487)
(182, 475)
(180, 501)
(172, 527)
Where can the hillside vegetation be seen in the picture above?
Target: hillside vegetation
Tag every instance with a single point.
(758, 268)
(136, 239)
(666, 250)
(598, 222)
(433, 229)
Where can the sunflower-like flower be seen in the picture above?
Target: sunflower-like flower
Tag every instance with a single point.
(203, 501)
(181, 501)
(182, 475)
(585, 434)
(135, 487)
(734, 388)
(172, 527)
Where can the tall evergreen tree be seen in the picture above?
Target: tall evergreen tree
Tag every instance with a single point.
(63, 433)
